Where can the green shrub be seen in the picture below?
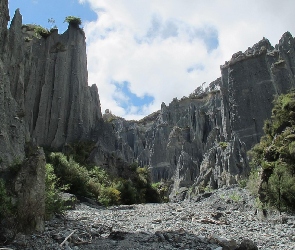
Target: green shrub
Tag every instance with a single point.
(274, 157)
(162, 189)
(128, 192)
(71, 173)
(41, 31)
(53, 201)
(223, 144)
(208, 189)
(80, 151)
(235, 197)
(109, 196)
(242, 183)
(76, 21)
(253, 181)
(94, 182)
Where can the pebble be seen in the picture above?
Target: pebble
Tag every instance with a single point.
(209, 222)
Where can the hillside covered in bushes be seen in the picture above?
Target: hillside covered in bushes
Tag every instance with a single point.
(273, 159)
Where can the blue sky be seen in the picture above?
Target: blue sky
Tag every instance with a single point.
(130, 98)
(141, 53)
(39, 11)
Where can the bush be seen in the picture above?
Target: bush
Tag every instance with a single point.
(41, 31)
(94, 182)
(162, 189)
(274, 157)
(128, 192)
(223, 144)
(80, 151)
(70, 173)
(53, 201)
(235, 197)
(109, 196)
(79, 179)
(76, 21)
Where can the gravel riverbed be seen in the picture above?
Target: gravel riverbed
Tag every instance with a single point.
(218, 220)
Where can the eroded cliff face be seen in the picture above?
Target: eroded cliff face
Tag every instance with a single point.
(12, 126)
(202, 140)
(45, 95)
(196, 141)
(48, 79)
(251, 80)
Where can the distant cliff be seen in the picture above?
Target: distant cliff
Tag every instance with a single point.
(202, 140)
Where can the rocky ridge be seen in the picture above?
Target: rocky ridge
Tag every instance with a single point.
(223, 219)
(202, 139)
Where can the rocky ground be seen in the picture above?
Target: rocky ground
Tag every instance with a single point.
(218, 220)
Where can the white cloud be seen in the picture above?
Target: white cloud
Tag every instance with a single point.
(162, 47)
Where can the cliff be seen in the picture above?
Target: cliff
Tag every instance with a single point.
(46, 81)
(197, 141)
(45, 101)
(12, 127)
(202, 139)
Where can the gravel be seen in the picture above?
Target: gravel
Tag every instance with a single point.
(222, 220)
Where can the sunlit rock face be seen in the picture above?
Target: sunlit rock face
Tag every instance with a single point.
(202, 139)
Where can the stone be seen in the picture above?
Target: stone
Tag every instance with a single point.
(30, 190)
(247, 244)
(227, 244)
(69, 200)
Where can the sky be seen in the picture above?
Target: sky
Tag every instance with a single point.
(145, 52)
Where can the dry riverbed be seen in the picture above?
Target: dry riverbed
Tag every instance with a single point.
(221, 221)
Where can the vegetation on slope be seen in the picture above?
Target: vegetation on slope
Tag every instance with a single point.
(71, 171)
(273, 159)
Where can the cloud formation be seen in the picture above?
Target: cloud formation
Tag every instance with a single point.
(166, 49)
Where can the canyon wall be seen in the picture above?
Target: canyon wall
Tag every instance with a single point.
(202, 140)
(45, 101)
(45, 97)
(197, 141)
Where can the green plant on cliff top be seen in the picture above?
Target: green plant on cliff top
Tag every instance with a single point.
(41, 31)
(73, 20)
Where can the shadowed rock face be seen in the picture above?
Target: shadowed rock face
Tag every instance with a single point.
(45, 99)
(12, 127)
(49, 80)
(203, 139)
(30, 188)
